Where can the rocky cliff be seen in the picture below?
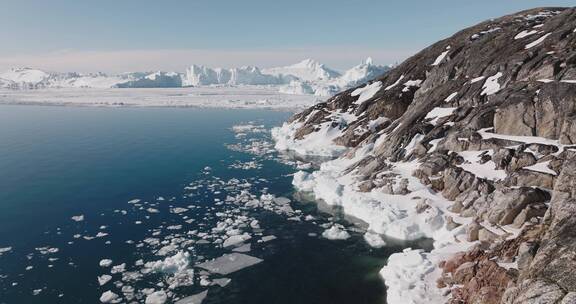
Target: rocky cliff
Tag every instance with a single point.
(485, 121)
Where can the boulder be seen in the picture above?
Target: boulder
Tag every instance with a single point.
(508, 203)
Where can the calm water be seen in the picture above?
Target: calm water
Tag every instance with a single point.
(59, 162)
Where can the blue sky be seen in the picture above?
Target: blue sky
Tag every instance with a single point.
(142, 35)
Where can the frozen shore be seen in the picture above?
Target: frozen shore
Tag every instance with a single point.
(408, 211)
(239, 97)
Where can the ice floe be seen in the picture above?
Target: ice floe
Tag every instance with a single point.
(336, 232)
(229, 263)
(78, 218)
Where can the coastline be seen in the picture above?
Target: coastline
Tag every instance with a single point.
(410, 276)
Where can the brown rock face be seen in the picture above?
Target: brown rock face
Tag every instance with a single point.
(501, 153)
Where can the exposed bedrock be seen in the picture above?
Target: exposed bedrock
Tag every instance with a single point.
(489, 115)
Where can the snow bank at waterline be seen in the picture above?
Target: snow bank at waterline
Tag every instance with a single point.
(406, 215)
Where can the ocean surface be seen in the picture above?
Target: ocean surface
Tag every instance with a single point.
(158, 191)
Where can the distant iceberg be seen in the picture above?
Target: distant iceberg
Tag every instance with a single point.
(307, 77)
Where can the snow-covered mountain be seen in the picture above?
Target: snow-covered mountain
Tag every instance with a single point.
(329, 86)
(306, 70)
(198, 75)
(305, 77)
(28, 78)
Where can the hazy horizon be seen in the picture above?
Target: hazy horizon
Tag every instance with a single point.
(110, 36)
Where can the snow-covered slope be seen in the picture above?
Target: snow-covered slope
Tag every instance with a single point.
(23, 78)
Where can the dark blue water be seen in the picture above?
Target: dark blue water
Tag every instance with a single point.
(58, 162)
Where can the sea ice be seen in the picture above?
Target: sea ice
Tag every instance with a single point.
(4, 250)
(108, 297)
(157, 297)
(173, 264)
(103, 279)
(374, 240)
(336, 232)
(235, 240)
(118, 268)
(194, 299)
(78, 218)
(229, 263)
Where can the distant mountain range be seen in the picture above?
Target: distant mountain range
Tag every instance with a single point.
(305, 77)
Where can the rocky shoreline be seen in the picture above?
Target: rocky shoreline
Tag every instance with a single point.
(471, 142)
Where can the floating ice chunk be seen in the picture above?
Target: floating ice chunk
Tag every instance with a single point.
(367, 92)
(153, 210)
(134, 201)
(246, 128)
(268, 238)
(525, 33)
(537, 41)
(222, 282)
(178, 210)
(491, 86)
(173, 264)
(243, 248)
(336, 232)
(101, 234)
(118, 268)
(158, 297)
(374, 239)
(230, 263)
(78, 218)
(440, 58)
(108, 297)
(103, 279)
(4, 250)
(47, 250)
(236, 239)
(194, 299)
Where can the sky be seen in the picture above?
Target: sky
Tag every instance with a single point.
(142, 35)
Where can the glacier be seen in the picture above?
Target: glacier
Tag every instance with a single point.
(308, 77)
